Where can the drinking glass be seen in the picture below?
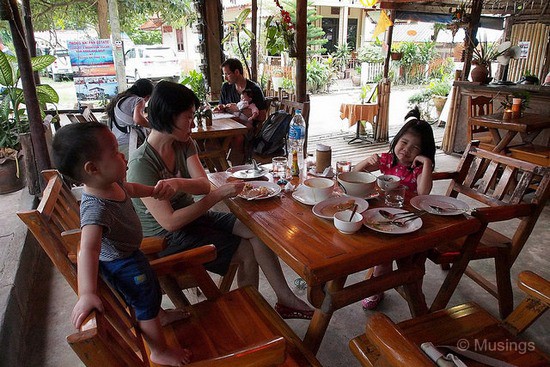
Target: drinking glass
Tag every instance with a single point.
(395, 197)
(343, 166)
(279, 166)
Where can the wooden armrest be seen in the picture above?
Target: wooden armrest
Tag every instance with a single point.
(393, 345)
(183, 260)
(269, 353)
(444, 175)
(152, 245)
(535, 286)
(72, 237)
(504, 212)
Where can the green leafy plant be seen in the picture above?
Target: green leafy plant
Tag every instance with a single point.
(13, 117)
(195, 81)
(288, 84)
(371, 52)
(234, 32)
(318, 76)
(341, 56)
(440, 87)
(485, 53)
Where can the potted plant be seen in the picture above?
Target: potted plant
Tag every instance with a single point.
(356, 76)
(13, 118)
(340, 58)
(439, 90)
(396, 53)
(483, 55)
(277, 78)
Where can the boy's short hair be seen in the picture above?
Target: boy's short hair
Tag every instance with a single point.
(75, 144)
(168, 100)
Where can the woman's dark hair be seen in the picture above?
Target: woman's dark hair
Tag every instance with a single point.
(141, 88)
(414, 125)
(167, 102)
(75, 144)
(248, 92)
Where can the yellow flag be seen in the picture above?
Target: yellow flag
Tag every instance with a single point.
(383, 23)
(368, 3)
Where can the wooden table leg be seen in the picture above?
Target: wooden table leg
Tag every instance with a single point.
(412, 291)
(503, 143)
(321, 318)
(455, 273)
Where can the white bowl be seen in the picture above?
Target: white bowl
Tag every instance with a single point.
(358, 184)
(388, 182)
(344, 225)
(317, 188)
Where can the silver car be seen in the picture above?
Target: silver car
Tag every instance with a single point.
(152, 62)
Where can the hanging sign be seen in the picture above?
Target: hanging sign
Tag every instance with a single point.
(524, 49)
(94, 69)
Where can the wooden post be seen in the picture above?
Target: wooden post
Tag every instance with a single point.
(470, 35)
(29, 34)
(301, 40)
(389, 37)
(211, 12)
(253, 43)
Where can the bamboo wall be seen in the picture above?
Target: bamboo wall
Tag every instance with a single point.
(538, 35)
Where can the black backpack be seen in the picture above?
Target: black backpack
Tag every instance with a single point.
(272, 136)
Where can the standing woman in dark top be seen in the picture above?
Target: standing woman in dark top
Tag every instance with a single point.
(126, 111)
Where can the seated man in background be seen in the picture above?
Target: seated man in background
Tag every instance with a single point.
(230, 95)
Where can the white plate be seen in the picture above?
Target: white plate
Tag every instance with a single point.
(325, 208)
(304, 200)
(372, 218)
(274, 190)
(450, 206)
(246, 172)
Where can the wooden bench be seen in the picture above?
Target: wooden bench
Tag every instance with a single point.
(238, 328)
(536, 154)
(465, 326)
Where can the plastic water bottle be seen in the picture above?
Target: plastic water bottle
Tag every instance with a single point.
(296, 139)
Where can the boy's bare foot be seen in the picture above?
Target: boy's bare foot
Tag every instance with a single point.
(171, 357)
(168, 316)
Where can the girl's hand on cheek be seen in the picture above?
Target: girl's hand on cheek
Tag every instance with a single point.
(420, 160)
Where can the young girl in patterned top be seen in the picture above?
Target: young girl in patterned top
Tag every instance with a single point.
(411, 158)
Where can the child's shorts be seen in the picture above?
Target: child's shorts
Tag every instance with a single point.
(134, 278)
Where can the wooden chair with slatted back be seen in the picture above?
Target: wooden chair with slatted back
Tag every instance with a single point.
(238, 328)
(502, 189)
(387, 344)
(59, 211)
(479, 106)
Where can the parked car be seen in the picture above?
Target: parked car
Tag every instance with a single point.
(61, 67)
(152, 62)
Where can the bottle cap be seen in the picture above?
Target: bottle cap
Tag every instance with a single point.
(298, 111)
(323, 147)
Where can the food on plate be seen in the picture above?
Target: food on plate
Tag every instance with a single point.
(251, 191)
(330, 210)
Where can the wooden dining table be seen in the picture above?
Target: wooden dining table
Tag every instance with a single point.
(214, 141)
(324, 257)
(528, 126)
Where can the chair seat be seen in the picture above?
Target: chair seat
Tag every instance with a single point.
(247, 319)
(536, 154)
(464, 322)
(488, 246)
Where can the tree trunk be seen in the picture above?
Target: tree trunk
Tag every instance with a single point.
(29, 34)
(103, 25)
(39, 148)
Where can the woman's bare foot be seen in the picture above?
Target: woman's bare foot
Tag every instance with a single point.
(171, 357)
(168, 316)
(296, 303)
